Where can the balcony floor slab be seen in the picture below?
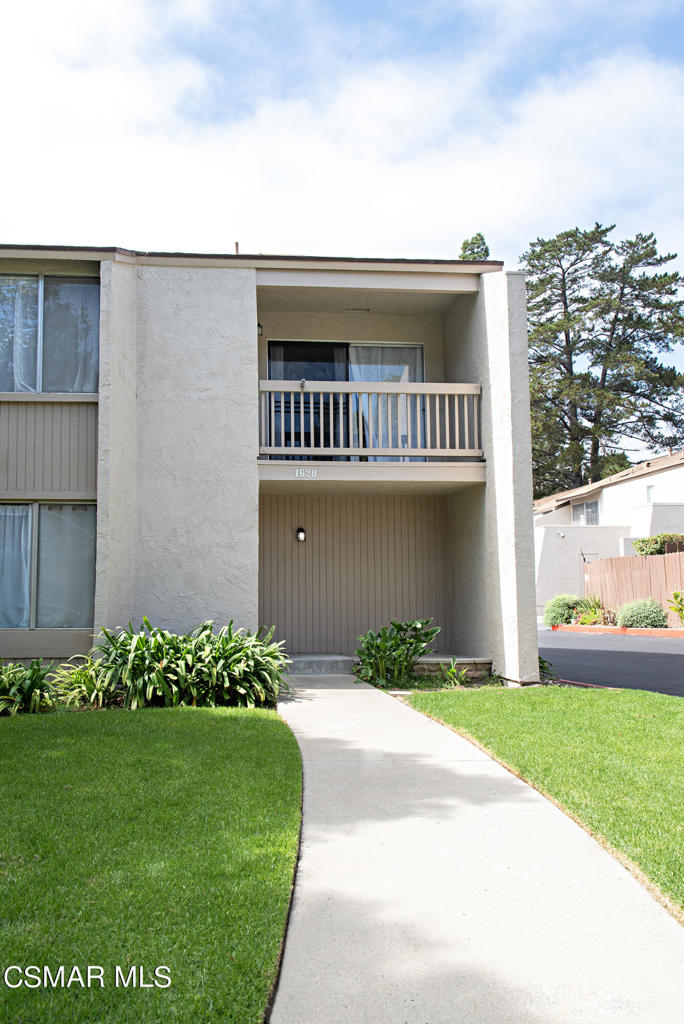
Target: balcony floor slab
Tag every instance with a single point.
(295, 477)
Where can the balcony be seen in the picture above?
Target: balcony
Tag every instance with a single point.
(360, 422)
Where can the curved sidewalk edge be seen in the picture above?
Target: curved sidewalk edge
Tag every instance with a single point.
(435, 887)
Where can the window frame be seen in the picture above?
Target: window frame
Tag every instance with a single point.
(40, 333)
(580, 518)
(34, 512)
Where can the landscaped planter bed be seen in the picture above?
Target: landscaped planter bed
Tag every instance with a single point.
(672, 633)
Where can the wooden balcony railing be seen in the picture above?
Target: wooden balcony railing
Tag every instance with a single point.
(312, 419)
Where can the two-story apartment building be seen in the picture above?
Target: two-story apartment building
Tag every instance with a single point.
(601, 520)
(317, 444)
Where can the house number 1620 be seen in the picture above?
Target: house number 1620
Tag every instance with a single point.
(303, 473)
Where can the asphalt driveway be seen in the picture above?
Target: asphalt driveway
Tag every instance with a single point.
(637, 663)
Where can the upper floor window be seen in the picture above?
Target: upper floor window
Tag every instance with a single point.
(649, 494)
(49, 334)
(586, 513)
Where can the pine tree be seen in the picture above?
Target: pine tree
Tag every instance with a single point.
(600, 316)
(475, 248)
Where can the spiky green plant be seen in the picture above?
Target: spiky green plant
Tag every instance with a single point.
(24, 689)
(389, 657)
(152, 666)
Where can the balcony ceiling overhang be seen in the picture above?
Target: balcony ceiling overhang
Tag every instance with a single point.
(360, 291)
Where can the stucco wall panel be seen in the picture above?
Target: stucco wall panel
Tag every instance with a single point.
(197, 482)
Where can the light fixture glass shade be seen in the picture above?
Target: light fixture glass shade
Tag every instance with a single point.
(301, 533)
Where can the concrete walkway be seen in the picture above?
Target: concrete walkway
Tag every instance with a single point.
(436, 888)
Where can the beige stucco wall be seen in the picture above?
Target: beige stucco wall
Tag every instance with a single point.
(117, 447)
(418, 329)
(486, 341)
(178, 503)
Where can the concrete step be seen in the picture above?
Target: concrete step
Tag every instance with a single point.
(320, 664)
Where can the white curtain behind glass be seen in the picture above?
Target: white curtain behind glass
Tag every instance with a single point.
(382, 364)
(71, 327)
(18, 332)
(66, 566)
(15, 566)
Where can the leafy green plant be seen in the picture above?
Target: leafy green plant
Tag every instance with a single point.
(677, 604)
(154, 667)
(24, 689)
(656, 545)
(591, 604)
(642, 614)
(452, 676)
(560, 610)
(547, 673)
(389, 657)
(81, 682)
(590, 619)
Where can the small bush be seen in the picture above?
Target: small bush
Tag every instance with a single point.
(547, 672)
(153, 667)
(24, 689)
(389, 657)
(656, 545)
(642, 614)
(590, 619)
(560, 610)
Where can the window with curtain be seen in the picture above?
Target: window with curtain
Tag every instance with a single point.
(386, 417)
(15, 565)
(50, 583)
(49, 334)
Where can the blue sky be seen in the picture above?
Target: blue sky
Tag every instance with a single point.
(352, 128)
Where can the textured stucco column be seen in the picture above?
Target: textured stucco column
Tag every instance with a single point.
(197, 426)
(506, 433)
(117, 446)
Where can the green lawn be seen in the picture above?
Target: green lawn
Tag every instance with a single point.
(613, 758)
(162, 837)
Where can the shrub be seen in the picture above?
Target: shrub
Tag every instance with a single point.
(656, 545)
(560, 610)
(589, 619)
(547, 672)
(642, 614)
(389, 657)
(81, 681)
(24, 689)
(677, 604)
(152, 666)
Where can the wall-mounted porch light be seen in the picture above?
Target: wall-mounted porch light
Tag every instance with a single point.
(260, 329)
(301, 534)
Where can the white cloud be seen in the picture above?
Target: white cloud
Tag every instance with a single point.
(403, 157)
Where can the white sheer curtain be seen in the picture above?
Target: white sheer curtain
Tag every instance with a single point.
(15, 566)
(382, 364)
(71, 328)
(18, 332)
(66, 566)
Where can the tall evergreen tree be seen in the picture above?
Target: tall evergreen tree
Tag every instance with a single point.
(600, 316)
(475, 248)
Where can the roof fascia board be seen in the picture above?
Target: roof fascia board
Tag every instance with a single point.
(397, 280)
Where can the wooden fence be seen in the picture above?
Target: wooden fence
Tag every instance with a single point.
(618, 580)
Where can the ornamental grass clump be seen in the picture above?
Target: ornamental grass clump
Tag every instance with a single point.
(24, 689)
(154, 667)
(642, 614)
(560, 610)
(389, 657)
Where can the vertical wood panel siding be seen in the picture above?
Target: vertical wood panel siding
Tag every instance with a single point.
(365, 560)
(48, 448)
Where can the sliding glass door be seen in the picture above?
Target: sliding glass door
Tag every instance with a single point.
(307, 420)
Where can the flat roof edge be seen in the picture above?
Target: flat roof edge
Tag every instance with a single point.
(83, 250)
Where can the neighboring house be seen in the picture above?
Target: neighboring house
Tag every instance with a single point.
(171, 424)
(600, 521)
